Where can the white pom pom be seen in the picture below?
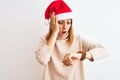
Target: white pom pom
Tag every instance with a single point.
(46, 22)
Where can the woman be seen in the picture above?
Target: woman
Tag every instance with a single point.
(61, 52)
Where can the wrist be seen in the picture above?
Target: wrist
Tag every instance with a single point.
(55, 33)
(89, 56)
(83, 55)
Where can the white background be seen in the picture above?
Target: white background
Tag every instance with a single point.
(22, 24)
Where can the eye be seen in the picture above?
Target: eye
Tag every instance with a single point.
(60, 22)
(69, 22)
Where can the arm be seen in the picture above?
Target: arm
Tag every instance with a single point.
(94, 51)
(90, 51)
(43, 54)
(45, 49)
(55, 29)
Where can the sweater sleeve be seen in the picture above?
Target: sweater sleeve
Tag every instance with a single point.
(95, 49)
(43, 53)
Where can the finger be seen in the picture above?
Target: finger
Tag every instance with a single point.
(66, 57)
(56, 20)
(52, 18)
(66, 63)
(73, 57)
(66, 60)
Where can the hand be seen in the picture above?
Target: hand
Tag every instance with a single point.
(70, 59)
(54, 23)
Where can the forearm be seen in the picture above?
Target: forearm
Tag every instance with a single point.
(98, 53)
(51, 41)
(43, 54)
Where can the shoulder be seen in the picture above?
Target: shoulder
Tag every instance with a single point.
(80, 38)
(77, 37)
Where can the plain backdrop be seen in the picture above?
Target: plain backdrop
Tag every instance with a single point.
(22, 25)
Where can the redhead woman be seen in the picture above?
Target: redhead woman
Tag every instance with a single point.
(60, 51)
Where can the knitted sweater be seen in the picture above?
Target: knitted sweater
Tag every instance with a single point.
(52, 59)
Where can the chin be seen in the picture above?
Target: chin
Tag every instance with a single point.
(62, 36)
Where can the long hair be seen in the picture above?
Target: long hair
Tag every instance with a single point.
(70, 36)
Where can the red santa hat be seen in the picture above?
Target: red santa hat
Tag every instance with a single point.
(61, 10)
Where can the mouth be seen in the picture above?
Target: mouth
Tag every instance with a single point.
(63, 32)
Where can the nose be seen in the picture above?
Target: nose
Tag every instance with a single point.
(64, 25)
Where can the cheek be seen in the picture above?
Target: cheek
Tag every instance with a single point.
(68, 28)
(60, 27)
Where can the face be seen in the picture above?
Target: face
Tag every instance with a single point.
(64, 26)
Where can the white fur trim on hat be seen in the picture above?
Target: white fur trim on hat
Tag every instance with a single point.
(64, 16)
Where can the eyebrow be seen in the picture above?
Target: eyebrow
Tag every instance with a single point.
(65, 20)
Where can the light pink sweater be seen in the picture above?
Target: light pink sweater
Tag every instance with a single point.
(52, 59)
